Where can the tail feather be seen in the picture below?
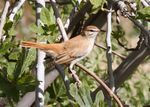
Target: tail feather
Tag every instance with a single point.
(32, 45)
(50, 48)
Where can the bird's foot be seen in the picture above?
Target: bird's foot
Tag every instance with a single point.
(76, 77)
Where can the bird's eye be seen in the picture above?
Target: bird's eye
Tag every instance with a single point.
(91, 30)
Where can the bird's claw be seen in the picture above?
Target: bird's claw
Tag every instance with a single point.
(75, 76)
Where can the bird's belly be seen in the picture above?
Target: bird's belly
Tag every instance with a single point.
(89, 48)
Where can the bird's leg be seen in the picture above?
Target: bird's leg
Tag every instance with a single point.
(74, 75)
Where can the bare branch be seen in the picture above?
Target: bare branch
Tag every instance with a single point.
(61, 2)
(73, 12)
(109, 50)
(58, 20)
(115, 53)
(144, 31)
(79, 16)
(125, 13)
(3, 17)
(128, 66)
(145, 3)
(139, 43)
(65, 79)
(15, 9)
(40, 61)
(109, 54)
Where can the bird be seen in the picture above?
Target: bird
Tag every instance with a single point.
(70, 51)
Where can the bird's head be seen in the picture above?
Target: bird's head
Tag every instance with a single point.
(91, 31)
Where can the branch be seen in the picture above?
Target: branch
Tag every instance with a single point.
(58, 20)
(65, 79)
(145, 3)
(126, 48)
(115, 53)
(109, 54)
(79, 16)
(65, 37)
(17, 6)
(110, 92)
(144, 31)
(40, 61)
(123, 8)
(73, 12)
(132, 61)
(61, 2)
(3, 17)
(109, 50)
(128, 66)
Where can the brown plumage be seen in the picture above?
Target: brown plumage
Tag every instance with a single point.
(70, 50)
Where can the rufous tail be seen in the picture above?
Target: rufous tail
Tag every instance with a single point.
(32, 45)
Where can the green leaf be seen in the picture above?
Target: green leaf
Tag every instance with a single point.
(12, 31)
(26, 83)
(47, 16)
(3, 61)
(99, 99)
(31, 56)
(42, 38)
(6, 46)
(97, 3)
(84, 91)
(82, 95)
(14, 55)
(18, 15)
(144, 13)
(19, 64)
(75, 94)
(34, 28)
(8, 25)
(10, 68)
(9, 88)
(118, 33)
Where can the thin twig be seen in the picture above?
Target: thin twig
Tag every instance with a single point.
(58, 20)
(144, 31)
(65, 79)
(123, 9)
(65, 37)
(110, 92)
(61, 2)
(145, 3)
(109, 54)
(115, 53)
(40, 61)
(73, 12)
(17, 6)
(126, 48)
(109, 49)
(79, 16)
(3, 17)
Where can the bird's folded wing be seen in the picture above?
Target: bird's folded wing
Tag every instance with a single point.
(68, 56)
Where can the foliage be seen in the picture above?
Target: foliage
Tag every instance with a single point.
(144, 13)
(98, 3)
(17, 64)
(82, 96)
(139, 89)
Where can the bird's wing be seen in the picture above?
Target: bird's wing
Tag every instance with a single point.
(72, 49)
